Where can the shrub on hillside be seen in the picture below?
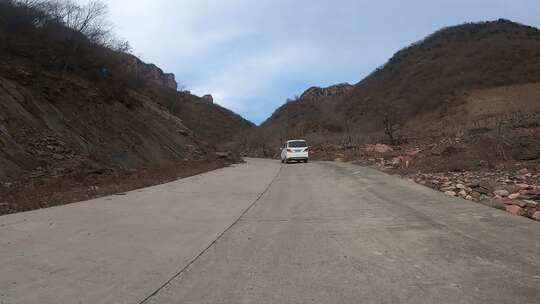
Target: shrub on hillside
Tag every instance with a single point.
(65, 36)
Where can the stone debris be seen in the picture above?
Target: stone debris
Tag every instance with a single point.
(516, 192)
(516, 210)
(501, 193)
(514, 189)
(379, 148)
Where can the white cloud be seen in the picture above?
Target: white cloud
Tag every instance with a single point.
(251, 55)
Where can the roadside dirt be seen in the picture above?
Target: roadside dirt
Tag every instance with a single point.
(513, 186)
(87, 182)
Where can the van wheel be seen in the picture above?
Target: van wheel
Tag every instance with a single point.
(306, 161)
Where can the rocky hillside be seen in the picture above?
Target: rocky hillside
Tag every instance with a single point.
(425, 89)
(458, 111)
(332, 91)
(79, 119)
(211, 122)
(151, 73)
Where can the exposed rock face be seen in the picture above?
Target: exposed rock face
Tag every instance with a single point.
(152, 73)
(335, 90)
(208, 98)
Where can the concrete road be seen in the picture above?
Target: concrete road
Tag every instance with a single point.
(120, 249)
(265, 233)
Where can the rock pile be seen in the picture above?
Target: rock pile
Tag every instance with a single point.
(379, 148)
(516, 192)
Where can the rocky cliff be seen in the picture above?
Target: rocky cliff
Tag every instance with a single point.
(331, 91)
(151, 73)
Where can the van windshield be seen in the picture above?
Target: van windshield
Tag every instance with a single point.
(297, 144)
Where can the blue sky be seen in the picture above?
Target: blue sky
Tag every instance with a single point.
(253, 54)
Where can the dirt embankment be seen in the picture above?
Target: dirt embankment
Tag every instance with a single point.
(458, 167)
(80, 117)
(65, 139)
(35, 192)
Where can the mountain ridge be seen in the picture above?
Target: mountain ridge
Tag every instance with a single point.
(418, 78)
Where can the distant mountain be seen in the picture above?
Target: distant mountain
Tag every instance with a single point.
(426, 84)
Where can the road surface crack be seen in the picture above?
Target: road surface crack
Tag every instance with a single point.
(192, 261)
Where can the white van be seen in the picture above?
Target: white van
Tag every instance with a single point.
(296, 149)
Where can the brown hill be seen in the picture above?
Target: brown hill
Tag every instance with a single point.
(423, 90)
(211, 122)
(80, 118)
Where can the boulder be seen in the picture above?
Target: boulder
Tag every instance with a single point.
(530, 204)
(514, 195)
(476, 195)
(501, 193)
(524, 186)
(523, 171)
(482, 187)
(536, 216)
(475, 183)
(519, 203)
(516, 210)
(208, 98)
(450, 193)
(396, 160)
(532, 194)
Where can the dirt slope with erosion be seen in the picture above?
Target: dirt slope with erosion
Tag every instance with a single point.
(79, 120)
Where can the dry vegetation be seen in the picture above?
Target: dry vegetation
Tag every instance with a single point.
(419, 93)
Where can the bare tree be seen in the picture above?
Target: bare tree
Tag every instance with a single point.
(391, 118)
(182, 88)
(118, 45)
(89, 20)
(348, 130)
